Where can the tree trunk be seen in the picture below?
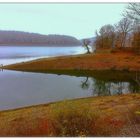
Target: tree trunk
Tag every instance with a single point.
(88, 51)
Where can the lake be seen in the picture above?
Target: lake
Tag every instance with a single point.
(12, 54)
(20, 89)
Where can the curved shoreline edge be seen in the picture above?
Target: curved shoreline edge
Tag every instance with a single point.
(99, 61)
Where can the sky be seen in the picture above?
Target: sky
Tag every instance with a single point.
(78, 20)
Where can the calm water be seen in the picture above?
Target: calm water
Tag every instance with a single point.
(19, 89)
(11, 54)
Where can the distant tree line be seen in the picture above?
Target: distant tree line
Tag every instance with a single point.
(25, 38)
(126, 33)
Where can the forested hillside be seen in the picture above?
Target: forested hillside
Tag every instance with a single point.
(25, 38)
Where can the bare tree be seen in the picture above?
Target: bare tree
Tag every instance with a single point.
(105, 37)
(86, 43)
(133, 12)
(123, 28)
(136, 40)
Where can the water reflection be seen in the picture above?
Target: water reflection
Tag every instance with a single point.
(104, 88)
(19, 89)
(85, 83)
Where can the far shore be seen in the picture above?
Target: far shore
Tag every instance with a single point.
(36, 45)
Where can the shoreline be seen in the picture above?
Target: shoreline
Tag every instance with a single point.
(109, 113)
(100, 116)
(94, 61)
(57, 102)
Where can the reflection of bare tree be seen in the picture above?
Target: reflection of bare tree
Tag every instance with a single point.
(120, 88)
(103, 87)
(135, 84)
(85, 84)
(137, 78)
(133, 87)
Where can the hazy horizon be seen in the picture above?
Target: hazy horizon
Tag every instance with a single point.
(78, 20)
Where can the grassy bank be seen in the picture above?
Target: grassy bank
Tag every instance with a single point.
(94, 116)
(99, 61)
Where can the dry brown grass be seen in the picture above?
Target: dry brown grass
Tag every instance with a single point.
(96, 116)
(102, 60)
